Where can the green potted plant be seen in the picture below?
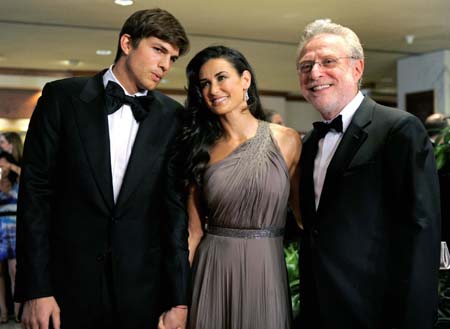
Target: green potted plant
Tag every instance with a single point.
(442, 150)
(291, 257)
(442, 154)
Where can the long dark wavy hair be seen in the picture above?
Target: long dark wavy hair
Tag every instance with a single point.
(201, 127)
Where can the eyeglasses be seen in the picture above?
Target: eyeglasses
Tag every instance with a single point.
(326, 63)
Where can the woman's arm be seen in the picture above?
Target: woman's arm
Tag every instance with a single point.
(290, 145)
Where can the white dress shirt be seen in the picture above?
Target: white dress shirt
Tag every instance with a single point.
(329, 144)
(122, 133)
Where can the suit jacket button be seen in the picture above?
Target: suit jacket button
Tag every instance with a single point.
(315, 233)
(100, 257)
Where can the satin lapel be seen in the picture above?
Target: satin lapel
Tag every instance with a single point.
(352, 140)
(146, 150)
(307, 198)
(94, 132)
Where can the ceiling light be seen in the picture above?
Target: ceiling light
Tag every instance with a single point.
(103, 52)
(124, 2)
(409, 38)
(71, 62)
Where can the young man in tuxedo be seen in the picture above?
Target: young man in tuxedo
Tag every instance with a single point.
(99, 213)
(369, 255)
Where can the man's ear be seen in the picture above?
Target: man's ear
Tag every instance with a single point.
(358, 69)
(126, 43)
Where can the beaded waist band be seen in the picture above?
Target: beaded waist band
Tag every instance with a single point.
(271, 232)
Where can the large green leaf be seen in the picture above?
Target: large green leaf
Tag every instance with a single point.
(291, 257)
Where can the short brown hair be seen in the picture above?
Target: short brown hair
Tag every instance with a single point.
(157, 23)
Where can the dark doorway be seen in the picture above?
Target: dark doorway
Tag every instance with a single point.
(421, 104)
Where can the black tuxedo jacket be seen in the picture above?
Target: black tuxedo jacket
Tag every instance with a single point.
(369, 257)
(67, 219)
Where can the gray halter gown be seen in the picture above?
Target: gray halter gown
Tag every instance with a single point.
(239, 272)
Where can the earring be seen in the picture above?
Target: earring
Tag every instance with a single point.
(246, 97)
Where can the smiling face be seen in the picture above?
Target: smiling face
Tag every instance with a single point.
(329, 90)
(221, 85)
(142, 67)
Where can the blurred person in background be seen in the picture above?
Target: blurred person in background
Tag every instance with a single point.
(12, 143)
(8, 212)
(434, 124)
(274, 117)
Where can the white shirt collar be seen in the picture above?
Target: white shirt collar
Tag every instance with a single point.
(349, 110)
(109, 76)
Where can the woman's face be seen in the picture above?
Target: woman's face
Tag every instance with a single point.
(5, 145)
(222, 87)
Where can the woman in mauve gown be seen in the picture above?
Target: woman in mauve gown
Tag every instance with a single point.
(240, 172)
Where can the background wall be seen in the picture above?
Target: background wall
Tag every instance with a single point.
(429, 71)
(19, 104)
(301, 115)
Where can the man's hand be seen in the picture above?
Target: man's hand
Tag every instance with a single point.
(175, 318)
(37, 313)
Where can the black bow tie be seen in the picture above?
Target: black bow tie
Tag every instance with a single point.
(115, 98)
(323, 128)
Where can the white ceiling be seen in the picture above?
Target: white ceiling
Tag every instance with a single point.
(40, 34)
